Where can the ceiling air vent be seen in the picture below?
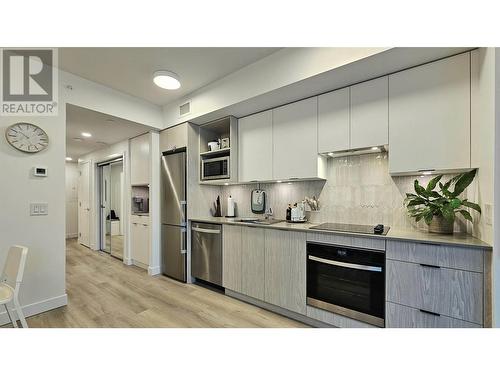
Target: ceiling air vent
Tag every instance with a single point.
(185, 109)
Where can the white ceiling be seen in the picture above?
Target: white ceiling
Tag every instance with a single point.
(130, 70)
(104, 128)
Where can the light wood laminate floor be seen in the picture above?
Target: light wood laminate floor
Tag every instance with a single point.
(103, 292)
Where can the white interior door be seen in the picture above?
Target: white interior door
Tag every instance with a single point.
(84, 204)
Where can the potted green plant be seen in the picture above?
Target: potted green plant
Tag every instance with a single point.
(438, 208)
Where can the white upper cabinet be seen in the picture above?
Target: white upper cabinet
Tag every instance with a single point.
(429, 117)
(139, 160)
(255, 147)
(295, 141)
(354, 117)
(333, 121)
(369, 114)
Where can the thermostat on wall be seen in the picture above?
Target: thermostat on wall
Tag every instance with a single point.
(40, 171)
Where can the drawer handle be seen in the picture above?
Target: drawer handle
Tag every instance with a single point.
(429, 312)
(429, 265)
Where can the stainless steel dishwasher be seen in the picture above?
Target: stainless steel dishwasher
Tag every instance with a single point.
(206, 252)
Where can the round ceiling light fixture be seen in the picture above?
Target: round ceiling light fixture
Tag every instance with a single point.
(166, 80)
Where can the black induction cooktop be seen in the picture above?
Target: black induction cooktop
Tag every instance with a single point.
(352, 228)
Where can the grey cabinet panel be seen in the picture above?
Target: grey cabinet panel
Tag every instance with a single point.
(463, 258)
(454, 293)
(345, 240)
(285, 264)
(252, 262)
(231, 257)
(398, 316)
(335, 319)
(173, 138)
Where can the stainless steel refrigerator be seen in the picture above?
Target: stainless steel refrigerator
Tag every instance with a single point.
(173, 214)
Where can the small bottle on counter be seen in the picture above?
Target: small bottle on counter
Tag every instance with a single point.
(289, 213)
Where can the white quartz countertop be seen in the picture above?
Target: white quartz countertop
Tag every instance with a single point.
(456, 239)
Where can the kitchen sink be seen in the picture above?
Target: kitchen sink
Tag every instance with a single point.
(255, 220)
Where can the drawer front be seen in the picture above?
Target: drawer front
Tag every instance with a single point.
(139, 219)
(462, 258)
(398, 316)
(454, 293)
(354, 241)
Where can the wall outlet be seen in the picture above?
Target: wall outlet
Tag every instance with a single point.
(39, 209)
(488, 214)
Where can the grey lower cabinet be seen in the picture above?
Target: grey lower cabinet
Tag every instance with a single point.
(433, 286)
(400, 316)
(266, 264)
(285, 275)
(231, 257)
(243, 260)
(252, 262)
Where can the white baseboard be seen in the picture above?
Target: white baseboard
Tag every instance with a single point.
(127, 261)
(38, 307)
(139, 264)
(152, 271)
(71, 235)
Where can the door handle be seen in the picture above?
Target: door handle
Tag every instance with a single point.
(361, 267)
(203, 230)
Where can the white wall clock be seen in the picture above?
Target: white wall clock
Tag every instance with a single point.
(27, 137)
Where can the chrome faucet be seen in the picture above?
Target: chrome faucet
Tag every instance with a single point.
(268, 214)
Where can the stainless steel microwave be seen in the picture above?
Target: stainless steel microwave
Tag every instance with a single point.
(215, 168)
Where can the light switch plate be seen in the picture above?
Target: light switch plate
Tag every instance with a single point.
(39, 209)
(488, 214)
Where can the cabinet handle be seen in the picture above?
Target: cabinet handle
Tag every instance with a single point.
(144, 225)
(429, 312)
(429, 265)
(426, 243)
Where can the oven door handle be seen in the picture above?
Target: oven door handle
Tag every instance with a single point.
(345, 265)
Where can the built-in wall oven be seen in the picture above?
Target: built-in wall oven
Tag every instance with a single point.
(347, 281)
(215, 168)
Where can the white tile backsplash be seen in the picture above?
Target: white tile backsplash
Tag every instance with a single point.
(358, 190)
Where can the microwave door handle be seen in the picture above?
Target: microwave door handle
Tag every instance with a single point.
(346, 265)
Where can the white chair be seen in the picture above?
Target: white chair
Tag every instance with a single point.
(10, 282)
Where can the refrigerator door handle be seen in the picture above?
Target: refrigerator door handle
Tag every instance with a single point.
(183, 204)
(183, 241)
